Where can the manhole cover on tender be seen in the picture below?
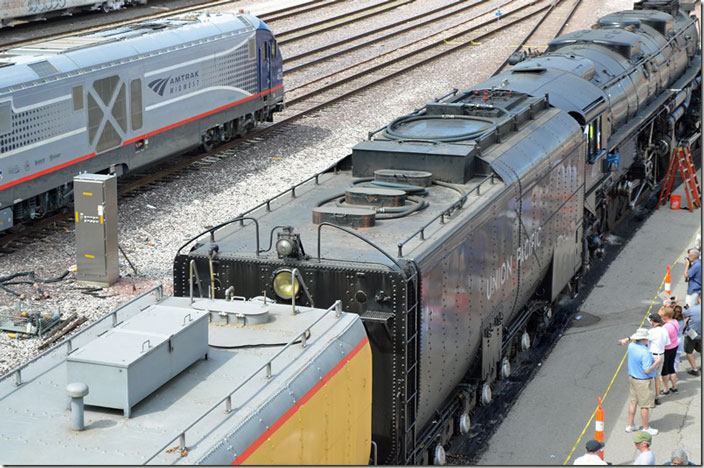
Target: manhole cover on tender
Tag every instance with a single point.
(583, 319)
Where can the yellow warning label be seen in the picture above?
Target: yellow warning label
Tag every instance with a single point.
(90, 256)
(87, 194)
(76, 216)
(101, 219)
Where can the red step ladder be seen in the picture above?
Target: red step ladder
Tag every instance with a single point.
(681, 161)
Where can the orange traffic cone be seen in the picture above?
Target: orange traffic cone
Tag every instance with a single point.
(668, 280)
(599, 427)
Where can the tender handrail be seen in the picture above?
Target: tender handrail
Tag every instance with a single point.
(213, 229)
(337, 307)
(266, 203)
(17, 371)
(446, 212)
(363, 239)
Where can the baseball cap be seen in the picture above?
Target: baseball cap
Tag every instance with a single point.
(656, 318)
(594, 445)
(642, 436)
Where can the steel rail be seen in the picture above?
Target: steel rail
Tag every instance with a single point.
(164, 14)
(535, 28)
(365, 34)
(335, 22)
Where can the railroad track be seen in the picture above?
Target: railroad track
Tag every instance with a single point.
(107, 21)
(371, 37)
(356, 79)
(548, 27)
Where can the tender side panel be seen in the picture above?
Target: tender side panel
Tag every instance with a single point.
(329, 425)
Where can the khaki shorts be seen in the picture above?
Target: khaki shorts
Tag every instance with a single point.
(658, 370)
(642, 392)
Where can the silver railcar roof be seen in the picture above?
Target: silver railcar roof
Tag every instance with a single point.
(54, 59)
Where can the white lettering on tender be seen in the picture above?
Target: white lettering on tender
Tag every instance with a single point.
(505, 270)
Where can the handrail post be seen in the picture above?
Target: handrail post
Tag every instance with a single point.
(268, 370)
(18, 377)
(338, 308)
(228, 404)
(182, 441)
(293, 291)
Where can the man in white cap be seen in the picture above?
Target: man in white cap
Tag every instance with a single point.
(641, 371)
(592, 456)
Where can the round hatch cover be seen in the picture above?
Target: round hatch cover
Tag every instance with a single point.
(435, 127)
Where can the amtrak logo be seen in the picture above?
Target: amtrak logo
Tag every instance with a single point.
(175, 84)
(159, 85)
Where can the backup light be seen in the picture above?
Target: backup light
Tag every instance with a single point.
(283, 285)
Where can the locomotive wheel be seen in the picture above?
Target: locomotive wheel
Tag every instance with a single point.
(486, 394)
(525, 341)
(105, 8)
(439, 455)
(505, 368)
(464, 423)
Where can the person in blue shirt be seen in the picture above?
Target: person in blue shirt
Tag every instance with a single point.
(641, 371)
(693, 336)
(679, 457)
(693, 276)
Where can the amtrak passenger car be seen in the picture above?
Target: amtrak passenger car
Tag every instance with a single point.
(123, 98)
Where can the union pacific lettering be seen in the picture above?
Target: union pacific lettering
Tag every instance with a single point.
(505, 270)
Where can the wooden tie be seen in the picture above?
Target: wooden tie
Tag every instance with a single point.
(681, 161)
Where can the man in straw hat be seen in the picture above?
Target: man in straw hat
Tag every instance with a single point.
(641, 371)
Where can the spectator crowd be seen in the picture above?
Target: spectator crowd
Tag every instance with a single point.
(654, 357)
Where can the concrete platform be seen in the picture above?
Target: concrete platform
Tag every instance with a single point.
(554, 416)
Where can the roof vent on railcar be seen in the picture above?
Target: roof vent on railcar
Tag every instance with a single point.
(667, 6)
(625, 43)
(389, 194)
(661, 22)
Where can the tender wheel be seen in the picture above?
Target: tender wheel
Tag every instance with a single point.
(439, 455)
(464, 424)
(486, 394)
(525, 341)
(505, 368)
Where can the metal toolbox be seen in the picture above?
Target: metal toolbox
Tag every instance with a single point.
(129, 362)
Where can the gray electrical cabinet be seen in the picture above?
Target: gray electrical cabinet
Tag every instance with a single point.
(95, 202)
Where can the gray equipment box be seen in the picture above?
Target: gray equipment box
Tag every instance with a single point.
(95, 201)
(129, 362)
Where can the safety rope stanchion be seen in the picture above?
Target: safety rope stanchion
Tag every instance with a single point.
(668, 280)
(599, 428)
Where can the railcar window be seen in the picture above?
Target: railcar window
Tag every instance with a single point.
(5, 117)
(136, 103)
(274, 49)
(77, 98)
(252, 48)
